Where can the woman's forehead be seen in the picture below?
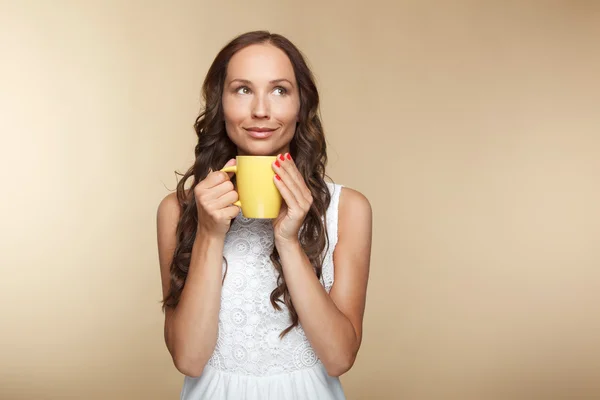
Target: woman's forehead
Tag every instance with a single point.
(260, 62)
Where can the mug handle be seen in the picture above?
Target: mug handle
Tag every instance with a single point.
(233, 168)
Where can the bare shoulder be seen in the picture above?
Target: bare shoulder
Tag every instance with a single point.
(167, 218)
(168, 208)
(354, 206)
(355, 220)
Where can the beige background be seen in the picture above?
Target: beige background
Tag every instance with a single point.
(473, 128)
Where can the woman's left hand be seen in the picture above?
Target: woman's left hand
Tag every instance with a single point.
(297, 197)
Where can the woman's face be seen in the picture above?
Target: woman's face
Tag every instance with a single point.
(261, 100)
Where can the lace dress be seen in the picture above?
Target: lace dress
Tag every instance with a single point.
(250, 361)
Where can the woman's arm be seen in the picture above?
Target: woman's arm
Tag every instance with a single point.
(191, 326)
(333, 322)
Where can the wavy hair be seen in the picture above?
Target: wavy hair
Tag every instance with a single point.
(214, 149)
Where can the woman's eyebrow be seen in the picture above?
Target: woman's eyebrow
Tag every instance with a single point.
(247, 82)
(244, 81)
(282, 80)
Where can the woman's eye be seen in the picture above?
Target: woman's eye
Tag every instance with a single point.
(280, 91)
(243, 90)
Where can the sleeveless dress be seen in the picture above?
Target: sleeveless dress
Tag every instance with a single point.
(250, 361)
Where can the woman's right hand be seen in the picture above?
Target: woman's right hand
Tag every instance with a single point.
(215, 196)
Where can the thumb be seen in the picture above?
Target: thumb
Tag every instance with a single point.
(230, 163)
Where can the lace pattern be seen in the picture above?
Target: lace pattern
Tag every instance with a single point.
(248, 339)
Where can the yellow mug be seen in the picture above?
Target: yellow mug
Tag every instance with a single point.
(258, 195)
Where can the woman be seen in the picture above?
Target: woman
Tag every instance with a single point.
(255, 309)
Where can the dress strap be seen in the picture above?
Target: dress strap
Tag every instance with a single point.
(327, 276)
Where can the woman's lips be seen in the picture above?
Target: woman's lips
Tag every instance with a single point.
(260, 133)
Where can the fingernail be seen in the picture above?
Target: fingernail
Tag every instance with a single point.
(277, 164)
(281, 157)
(288, 156)
(277, 176)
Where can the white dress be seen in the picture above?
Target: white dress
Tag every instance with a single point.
(250, 361)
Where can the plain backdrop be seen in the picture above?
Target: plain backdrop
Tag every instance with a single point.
(472, 126)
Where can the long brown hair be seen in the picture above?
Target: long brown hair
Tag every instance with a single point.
(214, 149)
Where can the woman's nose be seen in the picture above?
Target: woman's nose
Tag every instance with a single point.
(260, 107)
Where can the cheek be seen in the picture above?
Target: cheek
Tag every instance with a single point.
(286, 112)
(233, 111)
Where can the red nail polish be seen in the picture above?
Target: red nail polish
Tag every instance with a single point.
(277, 164)
(277, 176)
(281, 157)
(289, 157)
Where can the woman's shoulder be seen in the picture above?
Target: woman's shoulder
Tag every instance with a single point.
(169, 207)
(348, 201)
(353, 203)
(354, 222)
(168, 212)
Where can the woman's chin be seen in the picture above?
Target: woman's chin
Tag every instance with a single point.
(259, 149)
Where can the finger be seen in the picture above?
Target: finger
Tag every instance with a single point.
(283, 176)
(290, 182)
(231, 212)
(222, 189)
(214, 179)
(219, 190)
(226, 200)
(228, 164)
(286, 193)
(288, 164)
